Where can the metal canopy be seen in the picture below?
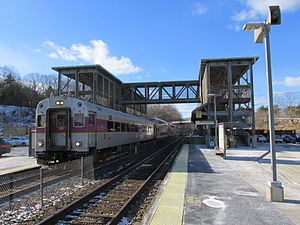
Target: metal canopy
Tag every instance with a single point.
(86, 73)
(239, 67)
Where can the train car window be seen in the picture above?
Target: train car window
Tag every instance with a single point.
(41, 120)
(136, 128)
(123, 127)
(78, 120)
(128, 127)
(117, 127)
(61, 120)
(110, 126)
(132, 127)
(92, 119)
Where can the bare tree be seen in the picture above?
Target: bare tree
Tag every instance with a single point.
(262, 117)
(164, 112)
(289, 104)
(6, 71)
(45, 84)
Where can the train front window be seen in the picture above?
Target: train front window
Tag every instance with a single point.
(92, 119)
(61, 120)
(41, 120)
(78, 120)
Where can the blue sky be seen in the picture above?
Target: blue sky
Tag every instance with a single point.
(140, 40)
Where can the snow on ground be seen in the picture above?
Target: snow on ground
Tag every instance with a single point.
(16, 116)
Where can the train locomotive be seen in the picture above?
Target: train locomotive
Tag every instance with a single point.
(68, 128)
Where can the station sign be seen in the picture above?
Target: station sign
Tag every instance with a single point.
(205, 122)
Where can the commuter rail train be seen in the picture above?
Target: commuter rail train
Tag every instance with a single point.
(68, 128)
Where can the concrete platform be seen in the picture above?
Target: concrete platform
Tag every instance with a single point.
(16, 160)
(219, 191)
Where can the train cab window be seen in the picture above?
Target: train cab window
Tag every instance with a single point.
(78, 120)
(110, 126)
(41, 120)
(92, 119)
(117, 127)
(123, 127)
(61, 120)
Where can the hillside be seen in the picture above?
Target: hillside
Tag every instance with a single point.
(16, 116)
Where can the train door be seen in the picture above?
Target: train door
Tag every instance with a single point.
(92, 129)
(58, 128)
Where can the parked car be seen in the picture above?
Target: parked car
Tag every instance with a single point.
(298, 137)
(24, 141)
(288, 138)
(17, 141)
(4, 148)
(12, 142)
(261, 138)
(278, 139)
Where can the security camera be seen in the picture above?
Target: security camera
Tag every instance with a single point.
(274, 15)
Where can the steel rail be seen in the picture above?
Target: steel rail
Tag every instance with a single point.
(52, 219)
(129, 202)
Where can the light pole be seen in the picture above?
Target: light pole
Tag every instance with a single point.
(215, 118)
(261, 31)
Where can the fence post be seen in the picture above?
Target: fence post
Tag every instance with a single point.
(82, 169)
(11, 188)
(41, 187)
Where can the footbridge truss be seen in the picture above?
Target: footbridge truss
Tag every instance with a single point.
(161, 92)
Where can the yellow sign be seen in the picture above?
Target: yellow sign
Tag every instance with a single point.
(198, 115)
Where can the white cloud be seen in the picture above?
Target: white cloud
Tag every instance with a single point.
(234, 27)
(256, 8)
(96, 53)
(289, 81)
(199, 9)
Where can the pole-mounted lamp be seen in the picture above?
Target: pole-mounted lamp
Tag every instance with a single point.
(261, 34)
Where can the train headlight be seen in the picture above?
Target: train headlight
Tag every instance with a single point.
(40, 143)
(59, 102)
(78, 143)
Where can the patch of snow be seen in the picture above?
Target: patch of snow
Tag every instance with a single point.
(16, 116)
(214, 203)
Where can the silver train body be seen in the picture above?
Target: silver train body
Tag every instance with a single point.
(68, 128)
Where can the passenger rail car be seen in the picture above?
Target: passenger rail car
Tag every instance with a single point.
(67, 128)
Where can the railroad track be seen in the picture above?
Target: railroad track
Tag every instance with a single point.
(28, 183)
(108, 203)
(17, 184)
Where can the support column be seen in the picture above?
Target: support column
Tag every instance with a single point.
(59, 84)
(76, 84)
(252, 106)
(94, 88)
(230, 97)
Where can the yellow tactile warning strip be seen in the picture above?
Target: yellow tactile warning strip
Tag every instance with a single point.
(170, 207)
(17, 169)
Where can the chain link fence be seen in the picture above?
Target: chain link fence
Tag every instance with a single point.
(66, 177)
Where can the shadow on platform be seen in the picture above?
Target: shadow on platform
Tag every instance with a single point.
(197, 163)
